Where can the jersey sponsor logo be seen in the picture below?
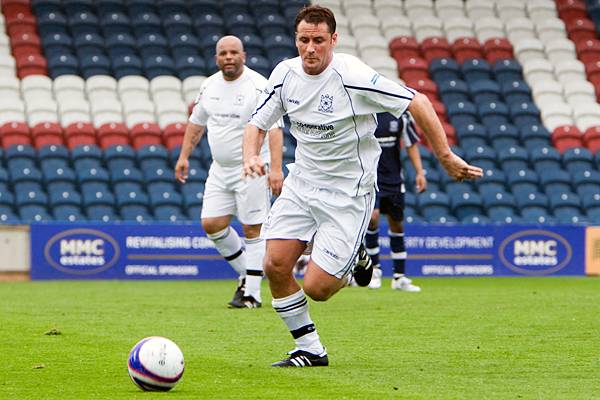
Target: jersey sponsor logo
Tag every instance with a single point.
(535, 252)
(331, 254)
(387, 141)
(326, 104)
(394, 126)
(239, 100)
(321, 131)
(293, 101)
(375, 78)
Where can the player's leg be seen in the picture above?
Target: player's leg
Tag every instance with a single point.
(372, 246)
(398, 250)
(255, 253)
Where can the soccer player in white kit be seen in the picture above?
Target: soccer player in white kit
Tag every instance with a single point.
(331, 100)
(224, 106)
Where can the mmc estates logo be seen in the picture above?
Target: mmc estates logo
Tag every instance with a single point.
(535, 252)
(81, 251)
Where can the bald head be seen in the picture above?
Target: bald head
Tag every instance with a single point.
(230, 57)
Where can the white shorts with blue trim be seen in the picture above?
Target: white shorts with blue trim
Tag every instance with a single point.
(335, 220)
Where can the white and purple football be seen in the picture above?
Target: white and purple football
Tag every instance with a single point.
(155, 364)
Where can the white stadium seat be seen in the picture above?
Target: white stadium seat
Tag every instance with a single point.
(105, 110)
(488, 28)
(11, 110)
(416, 9)
(449, 8)
(41, 110)
(372, 47)
(394, 26)
(191, 87)
(510, 9)
(386, 66)
(10, 87)
(555, 114)
(528, 49)
(539, 10)
(101, 85)
(547, 91)
(567, 71)
(36, 86)
(365, 25)
(579, 91)
(538, 70)
(549, 29)
(134, 85)
(477, 9)
(387, 8)
(427, 27)
(73, 110)
(560, 49)
(458, 27)
(68, 87)
(586, 115)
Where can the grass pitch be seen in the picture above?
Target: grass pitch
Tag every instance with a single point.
(461, 338)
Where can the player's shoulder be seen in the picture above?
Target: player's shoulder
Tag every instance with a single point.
(353, 69)
(283, 68)
(212, 80)
(256, 78)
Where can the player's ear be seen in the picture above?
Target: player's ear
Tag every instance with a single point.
(334, 38)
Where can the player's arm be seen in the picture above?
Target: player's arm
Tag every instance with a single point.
(276, 171)
(191, 138)
(253, 141)
(422, 111)
(415, 160)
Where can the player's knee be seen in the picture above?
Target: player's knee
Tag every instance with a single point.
(317, 293)
(374, 222)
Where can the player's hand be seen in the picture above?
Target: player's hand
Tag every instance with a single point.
(254, 166)
(181, 170)
(420, 183)
(458, 169)
(276, 181)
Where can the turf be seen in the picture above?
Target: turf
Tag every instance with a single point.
(485, 338)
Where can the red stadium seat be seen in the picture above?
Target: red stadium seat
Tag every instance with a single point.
(591, 139)
(47, 133)
(566, 137)
(413, 69)
(25, 44)
(588, 50)
(174, 135)
(33, 64)
(10, 8)
(145, 134)
(581, 29)
(466, 48)
(440, 109)
(80, 133)
(21, 23)
(404, 47)
(435, 47)
(425, 86)
(13, 133)
(497, 49)
(592, 70)
(112, 134)
(570, 10)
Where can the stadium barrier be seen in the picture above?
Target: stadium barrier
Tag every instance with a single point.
(14, 248)
(182, 251)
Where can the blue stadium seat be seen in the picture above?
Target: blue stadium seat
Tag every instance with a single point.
(121, 44)
(104, 7)
(270, 23)
(83, 22)
(120, 176)
(534, 136)
(136, 7)
(79, 6)
(461, 113)
(166, 206)
(119, 157)
(453, 91)
(60, 179)
(51, 23)
(545, 158)
(86, 156)
(577, 159)
(170, 7)
(507, 71)
(591, 206)
(531, 199)
(513, 158)
(160, 174)
(525, 114)
(253, 45)
(208, 44)
(483, 156)
(92, 197)
(475, 219)
(555, 181)
(433, 204)
(124, 65)
(53, 152)
(291, 8)
(131, 198)
(476, 69)
(66, 206)
(178, 24)
(9, 218)
(444, 70)
(264, 7)
(503, 135)
(233, 7)
(493, 114)
(152, 44)
(472, 135)
(31, 198)
(536, 216)
(40, 7)
(158, 65)
(190, 65)
(202, 7)
(279, 46)
(19, 152)
(115, 23)
(192, 201)
(197, 174)
(26, 179)
(94, 65)
(208, 24)
(522, 180)
(498, 204)
(465, 204)
(7, 201)
(63, 64)
(516, 92)
(101, 214)
(586, 182)
(240, 24)
(93, 179)
(89, 44)
(566, 204)
(485, 91)
(57, 44)
(442, 219)
(183, 45)
(34, 213)
(147, 154)
(145, 23)
(260, 65)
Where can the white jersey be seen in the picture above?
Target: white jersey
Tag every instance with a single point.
(333, 119)
(225, 107)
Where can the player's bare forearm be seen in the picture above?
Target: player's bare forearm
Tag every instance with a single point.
(415, 158)
(276, 149)
(253, 140)
(424, 114)
(191, 138)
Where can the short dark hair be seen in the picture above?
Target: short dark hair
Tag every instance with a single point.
(316, 14)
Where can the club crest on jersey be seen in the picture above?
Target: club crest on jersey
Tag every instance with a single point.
(326, 104)
(239, 100)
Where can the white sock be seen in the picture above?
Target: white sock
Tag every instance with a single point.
(255, 253)
(293, 310)
(229, 245)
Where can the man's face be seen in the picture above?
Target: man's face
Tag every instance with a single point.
(230, 58)
(315, 45)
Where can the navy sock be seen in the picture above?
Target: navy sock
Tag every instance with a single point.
(398, 252)
(372, 245)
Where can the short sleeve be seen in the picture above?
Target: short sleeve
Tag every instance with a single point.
(269, 110)
(199, 115)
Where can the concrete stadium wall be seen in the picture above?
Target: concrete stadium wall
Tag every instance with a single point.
(14, 248)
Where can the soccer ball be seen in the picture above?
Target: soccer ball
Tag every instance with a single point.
(155, 364)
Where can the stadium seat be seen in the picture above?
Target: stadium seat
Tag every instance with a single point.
(466, 48)
(462, 113)
(270, 23)
(513, 158)
(433, 205)
(555, 181)
(96, 64)
(522, 181)
(465, 204)
(472, 135)
(94, 179)
(86, 156)
(545, 158)
(566, 137)
(581, 29)
(436, 48)
(503, 135)
(15, 133)
(516, 92)
(453, 91)
(412, 69)
(485, 91)
(177, 23)
(476, 69)
(444, 69)
(145, 134)
(507, 71)
(524, 114)
(565, 204)
(483, 156)
(534, 136)
(121, 44)
(133, 206)
(119, 157)
(586, 182)
(166, 206)
(577, 158)
(498, 204)
(62, 64)
(207, 23)
(89, 44)
(493, 113)
(531, 200)
(81, 23)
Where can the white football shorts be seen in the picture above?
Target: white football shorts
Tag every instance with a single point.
(337, 221)
(228, 193)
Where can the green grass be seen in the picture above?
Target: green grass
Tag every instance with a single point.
(485, 338)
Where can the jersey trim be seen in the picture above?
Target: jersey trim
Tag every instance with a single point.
(378, 91)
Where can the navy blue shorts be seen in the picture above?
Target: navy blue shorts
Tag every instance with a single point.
(391, 203)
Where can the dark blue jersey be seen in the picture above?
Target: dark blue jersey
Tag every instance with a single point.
(389, 133)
